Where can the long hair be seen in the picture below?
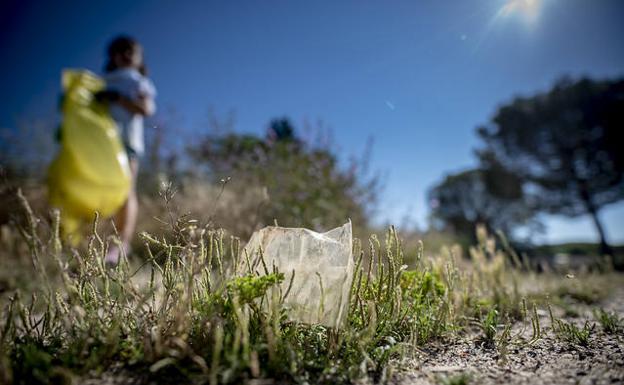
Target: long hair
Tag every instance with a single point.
(122, 44)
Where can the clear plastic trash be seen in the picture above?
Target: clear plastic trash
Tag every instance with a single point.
(323, 266)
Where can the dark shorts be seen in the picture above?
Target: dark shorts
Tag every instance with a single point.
(132, 154)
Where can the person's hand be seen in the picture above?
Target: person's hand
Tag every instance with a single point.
(107, 96)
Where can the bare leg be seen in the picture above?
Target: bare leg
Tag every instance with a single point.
(126, 218)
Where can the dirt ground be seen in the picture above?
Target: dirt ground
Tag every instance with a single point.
(547, 361)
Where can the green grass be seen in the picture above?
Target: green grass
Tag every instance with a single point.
(610, 322)
(190, 312)
(489, 325)
(571, 333)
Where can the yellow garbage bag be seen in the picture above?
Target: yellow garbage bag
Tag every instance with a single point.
(91, 171)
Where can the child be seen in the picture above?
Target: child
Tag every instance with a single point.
(130, 95)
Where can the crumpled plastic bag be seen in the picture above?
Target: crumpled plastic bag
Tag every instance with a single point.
(91, 171)
(323, 266)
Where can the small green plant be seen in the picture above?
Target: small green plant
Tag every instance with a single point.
(571, 333)
(535, 323)
(251, 287)
(503, 341)
(423, 296)
(489, 325)
(610, 322)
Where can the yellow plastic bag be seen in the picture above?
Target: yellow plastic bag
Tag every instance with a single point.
(91, 172)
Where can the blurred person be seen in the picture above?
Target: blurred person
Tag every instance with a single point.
(130, 95)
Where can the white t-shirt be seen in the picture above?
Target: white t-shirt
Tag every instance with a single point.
(131, 84)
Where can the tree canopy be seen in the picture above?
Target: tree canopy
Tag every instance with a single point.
(489, 197)
(564, 145)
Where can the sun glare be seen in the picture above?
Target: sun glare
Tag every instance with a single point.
(528, 9)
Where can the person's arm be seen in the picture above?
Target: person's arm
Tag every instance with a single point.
(142, 106)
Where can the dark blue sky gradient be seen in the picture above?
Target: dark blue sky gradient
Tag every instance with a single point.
(418, 76)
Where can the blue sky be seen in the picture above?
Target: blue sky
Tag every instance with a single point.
(417, 76)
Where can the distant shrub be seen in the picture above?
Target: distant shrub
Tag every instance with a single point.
(304, 183)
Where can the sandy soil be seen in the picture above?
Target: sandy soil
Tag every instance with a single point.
(548, 361)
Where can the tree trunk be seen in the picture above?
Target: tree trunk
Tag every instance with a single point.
(605, 249)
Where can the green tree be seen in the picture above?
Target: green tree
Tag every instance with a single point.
(565, 146)
(305, 183)
(490, 197)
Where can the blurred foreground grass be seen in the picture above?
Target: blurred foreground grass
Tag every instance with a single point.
(185, 314)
